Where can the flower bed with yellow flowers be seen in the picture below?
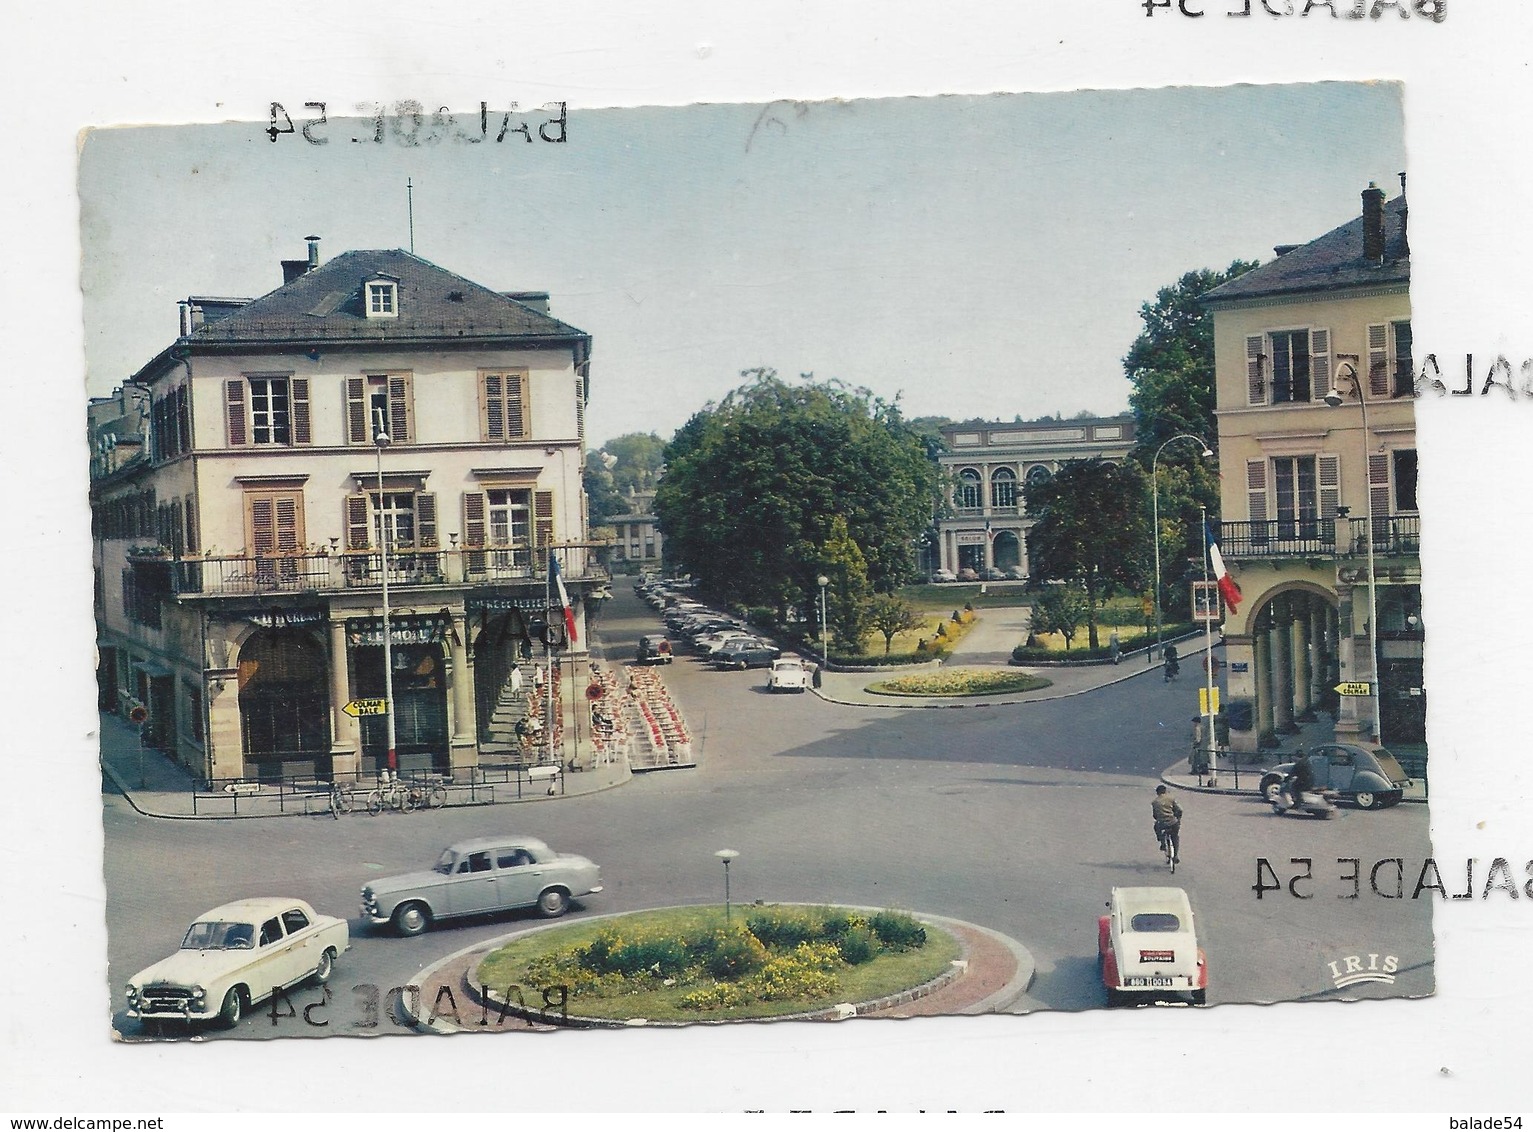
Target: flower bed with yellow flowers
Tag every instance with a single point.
(692, 964)
(959, 682)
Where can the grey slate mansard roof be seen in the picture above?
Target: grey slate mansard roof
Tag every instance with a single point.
(1331, 262)
(435, 306)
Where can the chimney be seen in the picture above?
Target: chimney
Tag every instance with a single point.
(1405, 246)
(313, 251)
(293, 269)
(1283, 249)
(1373, 224)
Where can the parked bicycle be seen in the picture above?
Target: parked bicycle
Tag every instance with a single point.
(342, 800)
(430, 792)
(391, 794)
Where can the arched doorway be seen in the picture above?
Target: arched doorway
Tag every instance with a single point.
(502, 643)
(284, 704)
(1294, 646)
(420, 705)
(1008, 550)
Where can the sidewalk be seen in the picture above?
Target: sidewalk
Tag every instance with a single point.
(157, 787)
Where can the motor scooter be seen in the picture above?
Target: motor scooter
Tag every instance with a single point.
(1311, 803)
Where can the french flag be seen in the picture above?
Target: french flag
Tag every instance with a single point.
(1228, 590)
(564, 597)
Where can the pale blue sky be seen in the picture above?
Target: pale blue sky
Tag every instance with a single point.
(978, 256)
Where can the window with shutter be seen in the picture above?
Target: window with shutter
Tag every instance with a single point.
(1404, 380)
(358, 524)
(357, 416)
(1378, 495)
(1330, 487)
(543, 515)
(300, 402)
(474, 529)
(1256, 382)
(425, 521)
(274, 533)
(503, 405)
(401, 415)
(1319, 364)
(580, 413)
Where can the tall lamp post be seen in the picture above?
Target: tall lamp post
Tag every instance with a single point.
(726, 855)
(1347, 369)
(381, 441)
(1155, 516)
(824, 640)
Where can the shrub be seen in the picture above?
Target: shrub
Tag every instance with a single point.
(720, 996)
(785, 927)
(897, 931)
(801, 974)
(735, 954)
(858, 945)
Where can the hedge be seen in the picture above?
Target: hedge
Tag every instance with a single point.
(1023, 654)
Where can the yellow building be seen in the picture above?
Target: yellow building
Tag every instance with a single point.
(241, 554)
(1317, 433)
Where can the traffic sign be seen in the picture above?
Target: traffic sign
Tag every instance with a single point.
(1203, 708)
(358, 708)
(1354, 688)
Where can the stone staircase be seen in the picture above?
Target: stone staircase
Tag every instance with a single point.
(521, 698)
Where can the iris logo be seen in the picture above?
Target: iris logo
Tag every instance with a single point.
(1371, 968)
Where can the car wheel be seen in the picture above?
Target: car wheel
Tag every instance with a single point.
(1200, 997)
(1272, 788)
(1366, 800)
(1115, 998)
(412, 918)
(553, 902)
(326, 966)
(233, 1009)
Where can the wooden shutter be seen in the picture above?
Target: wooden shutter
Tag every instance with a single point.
(1256, 500)
(176, 528)
(1319, 364)
(356, 411)
(262, 523)
(358, 529)
(191, 524)
(492, 406)
(234, 413)
(298, 388)
(516, 406)
(474, 529)
(1328, 477)
(1378, 496)
(288, 508)
(543, 519)
(400, 403)
(184, 419)
(1378, 361)
(425, 520)
(1256, 383)
(580, 414)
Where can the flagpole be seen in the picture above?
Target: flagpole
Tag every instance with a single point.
(1208, 658)
(548, 653)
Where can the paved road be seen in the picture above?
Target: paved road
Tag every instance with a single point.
(1020, 818)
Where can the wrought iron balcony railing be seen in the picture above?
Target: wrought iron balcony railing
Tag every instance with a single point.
(1392, 535)
(1279, 538)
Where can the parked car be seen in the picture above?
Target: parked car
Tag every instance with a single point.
(992, 574)
(1147, 947)
(485, 874)
(653, 650)
(751, 656)
(711, 644)
(967, 575)
(233, 957)
(1369, 778)
(1016, 574)
(940, 576)
(788, 674)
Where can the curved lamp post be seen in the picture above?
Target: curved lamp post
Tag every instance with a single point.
(726, 855)
(1348, 370)
(381, 440)
(1155, 515)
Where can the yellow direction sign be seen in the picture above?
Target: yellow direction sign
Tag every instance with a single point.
(1203, 708)
(1354, 688)
(366, 707)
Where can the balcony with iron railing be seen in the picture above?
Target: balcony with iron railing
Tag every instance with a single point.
(321, 571)
(1393, 535)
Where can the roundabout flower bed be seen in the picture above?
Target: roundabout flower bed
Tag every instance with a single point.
(959, 682)
(689, 965)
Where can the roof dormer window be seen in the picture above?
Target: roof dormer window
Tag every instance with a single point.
(381, 298)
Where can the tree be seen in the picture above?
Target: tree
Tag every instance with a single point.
(637, 460)
(602, 498)
(892, 615)
(846, 598)
(1171, 366)
(1091, 527)
(753, 484)
(1171, 363)
(1060, 610)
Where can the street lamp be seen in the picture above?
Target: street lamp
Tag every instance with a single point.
(726, 855)
(824, 641)
(381, 440)
(1348, 370)
(1155, 516)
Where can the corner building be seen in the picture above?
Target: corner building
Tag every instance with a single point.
(1301, 479)
(240, 548)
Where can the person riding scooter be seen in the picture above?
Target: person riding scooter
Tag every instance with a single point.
(1300, 782)
(1172, 663)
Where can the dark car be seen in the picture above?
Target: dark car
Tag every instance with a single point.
(653, 650)
(752, 656)
(1370, 778)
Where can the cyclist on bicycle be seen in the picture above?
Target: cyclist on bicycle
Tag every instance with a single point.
(1168, 821)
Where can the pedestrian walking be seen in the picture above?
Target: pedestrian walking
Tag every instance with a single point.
(1112, 643)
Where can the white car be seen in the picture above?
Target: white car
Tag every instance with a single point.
(235, 956)
(1147, 947)
(788, 674)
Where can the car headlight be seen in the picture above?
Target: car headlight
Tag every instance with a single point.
(132, 993)
(199, 993)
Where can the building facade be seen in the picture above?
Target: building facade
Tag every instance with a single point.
(986, 466)
(637, 541)
(1327, 321)
(376, 414)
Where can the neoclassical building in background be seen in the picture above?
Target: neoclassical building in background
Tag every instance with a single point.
(1303, 476)
(239, 518)
(986, 466)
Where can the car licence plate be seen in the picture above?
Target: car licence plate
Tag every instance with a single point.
(1149, 981)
